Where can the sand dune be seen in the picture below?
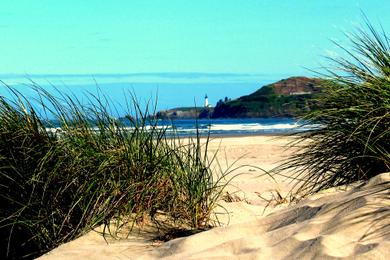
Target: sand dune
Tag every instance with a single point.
(352, 224)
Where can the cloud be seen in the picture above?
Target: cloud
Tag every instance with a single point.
(150, 77)
(104, 39)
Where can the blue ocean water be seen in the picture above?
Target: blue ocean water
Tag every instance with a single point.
(220, 127)
(165, 90)
(233, 126)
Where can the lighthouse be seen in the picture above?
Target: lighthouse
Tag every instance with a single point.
(206, 101)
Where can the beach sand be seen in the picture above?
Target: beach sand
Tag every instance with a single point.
(353, 224)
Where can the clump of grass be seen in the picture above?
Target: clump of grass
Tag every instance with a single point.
(352, 140)
(67, 167)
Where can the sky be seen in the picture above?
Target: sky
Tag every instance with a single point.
(153, 41)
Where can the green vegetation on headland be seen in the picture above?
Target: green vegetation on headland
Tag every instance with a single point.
(286, 98)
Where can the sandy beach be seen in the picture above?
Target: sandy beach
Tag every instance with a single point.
(352, 224)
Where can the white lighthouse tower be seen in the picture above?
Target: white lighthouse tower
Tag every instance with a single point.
(206, 101)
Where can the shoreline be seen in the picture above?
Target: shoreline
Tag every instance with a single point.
(282, 135)
(239, 135)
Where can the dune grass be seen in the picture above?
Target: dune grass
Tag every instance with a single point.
(59, 181)
(352, 141)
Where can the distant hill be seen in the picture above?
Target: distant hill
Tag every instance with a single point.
(293, 86)
(185, 113)
(285, 98)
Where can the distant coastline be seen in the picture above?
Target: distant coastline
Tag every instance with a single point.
(286, 98)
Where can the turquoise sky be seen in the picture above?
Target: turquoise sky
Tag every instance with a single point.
(178, 49)
(236, 36)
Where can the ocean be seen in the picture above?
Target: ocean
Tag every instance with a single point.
(222, 127)
(232, 127)
(164, 90)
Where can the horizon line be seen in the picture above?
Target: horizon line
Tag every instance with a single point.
(138, 74)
